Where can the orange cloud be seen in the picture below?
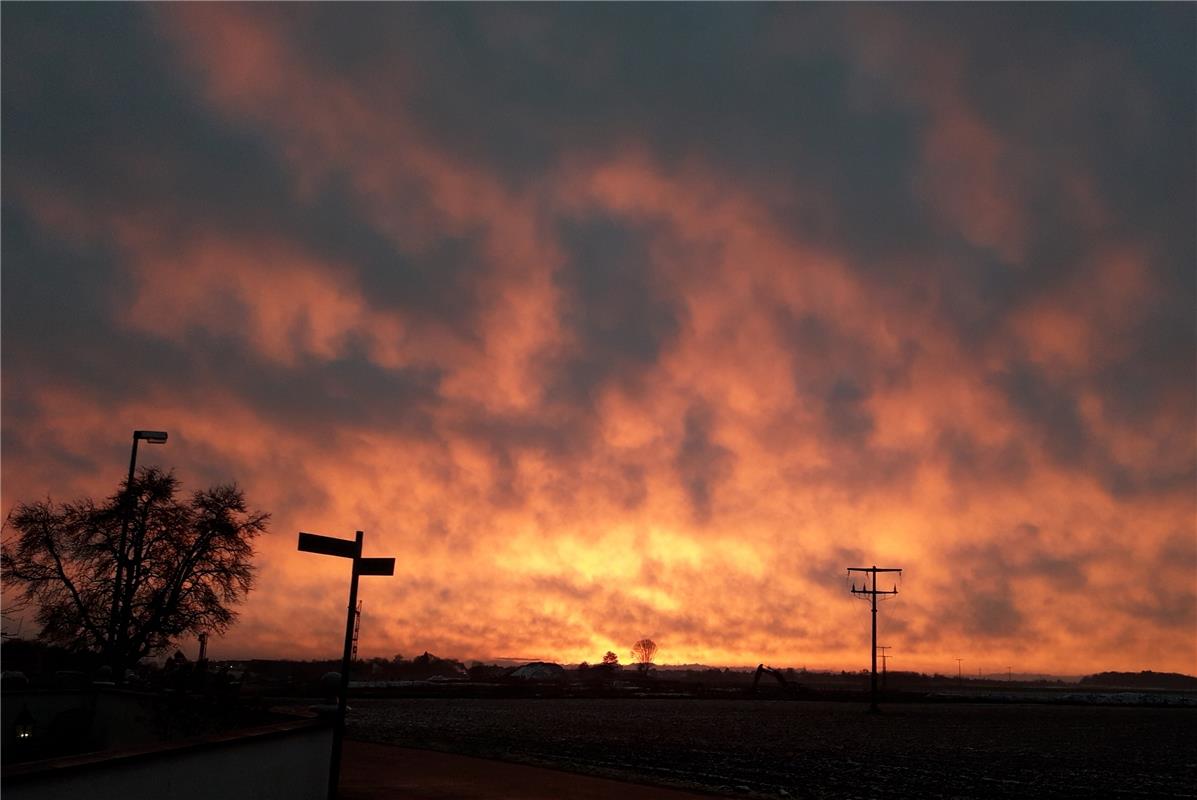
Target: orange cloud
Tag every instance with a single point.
(638, 398)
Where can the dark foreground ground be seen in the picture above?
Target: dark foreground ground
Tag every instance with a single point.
(814, 749)
(386, 772)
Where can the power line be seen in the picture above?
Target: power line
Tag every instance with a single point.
(872, 592)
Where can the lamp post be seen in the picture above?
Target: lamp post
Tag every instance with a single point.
(343, 548)
(152, 437)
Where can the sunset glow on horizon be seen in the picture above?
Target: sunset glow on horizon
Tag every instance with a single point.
(625, 321)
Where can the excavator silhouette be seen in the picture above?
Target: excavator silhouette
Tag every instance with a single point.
(786, 686)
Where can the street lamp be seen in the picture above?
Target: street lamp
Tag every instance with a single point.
(152, 437)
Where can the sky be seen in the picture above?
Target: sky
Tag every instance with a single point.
(624, 321)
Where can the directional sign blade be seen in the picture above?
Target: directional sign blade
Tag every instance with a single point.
(375, 566)
(327, 545)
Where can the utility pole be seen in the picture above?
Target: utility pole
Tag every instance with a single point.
(357, 627)
(1009, 677)
(884, 664)
(960, 671)
(871, 591)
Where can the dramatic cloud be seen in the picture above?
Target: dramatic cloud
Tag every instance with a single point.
(624, 321)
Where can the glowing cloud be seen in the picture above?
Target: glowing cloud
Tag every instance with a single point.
(613, 322)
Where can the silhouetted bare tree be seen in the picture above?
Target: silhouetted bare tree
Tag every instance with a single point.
(185, 565)
(643, 652)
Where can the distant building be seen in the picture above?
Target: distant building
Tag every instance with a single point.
(538, 671)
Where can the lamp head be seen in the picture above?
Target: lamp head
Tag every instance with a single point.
(153, 437)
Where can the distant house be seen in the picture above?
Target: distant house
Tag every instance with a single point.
(430, 667)
(538, 671)
(448, 678)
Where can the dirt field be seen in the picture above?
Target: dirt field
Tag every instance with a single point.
(387, 772)
(813, 749)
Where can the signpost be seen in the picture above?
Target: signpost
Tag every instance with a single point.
(344, 548)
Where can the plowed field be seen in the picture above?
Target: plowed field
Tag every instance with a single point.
(780, 749)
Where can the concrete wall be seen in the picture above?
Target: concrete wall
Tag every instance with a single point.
(284, 761)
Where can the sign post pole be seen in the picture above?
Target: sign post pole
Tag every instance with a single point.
(343, 548)
(334, 767)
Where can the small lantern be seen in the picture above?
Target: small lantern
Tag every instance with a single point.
(23, 727)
